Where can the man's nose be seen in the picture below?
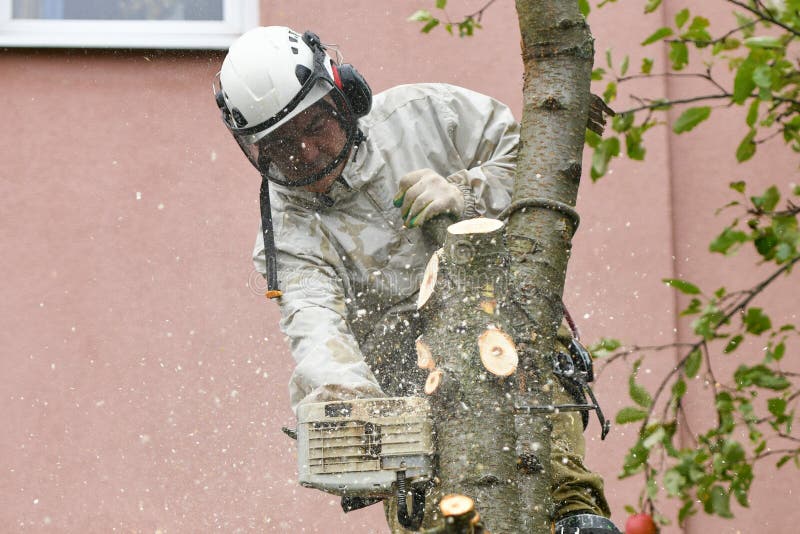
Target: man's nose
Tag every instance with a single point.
(309, 151)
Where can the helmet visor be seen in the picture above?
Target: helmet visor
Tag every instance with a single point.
(307, 147)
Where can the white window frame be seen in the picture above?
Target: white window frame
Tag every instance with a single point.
(238, 17)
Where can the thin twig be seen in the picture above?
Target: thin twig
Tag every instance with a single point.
(768, 17)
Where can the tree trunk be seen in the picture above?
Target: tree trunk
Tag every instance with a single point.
(557, 51)
(491, 298)
(471, 379)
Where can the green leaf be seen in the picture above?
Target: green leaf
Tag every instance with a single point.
(777, 353)
(651, 5)
(681, 17)
(421, 15)
(776, 406)
(727, 242)
(624, 67)
(583, 5)
(634, 146)
(638, 394)
(732, 452)
(768, 200)
(678, 54)
(430, 25)
(679, 388)
(760, 376)
(733, 344)
(674, 482)
(630, 414)
(441, 4)
(686, 511)
(683, 286)
(597, 74)
(756, 321)
(692, 365)
(747, 148)
(635, 460)
(762, 76)
(752, 113)
(720, 502)
(647, 65)
(763, 41)
(738, 186)
(605, 150)
(697, 32)
(622, 122)
(611, 92)
(691, 118)
(604, 347)
(743, 83)
(693, 308)
(657, 35)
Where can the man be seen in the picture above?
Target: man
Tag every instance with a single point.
(351, 180)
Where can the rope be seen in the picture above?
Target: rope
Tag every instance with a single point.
(540, 202)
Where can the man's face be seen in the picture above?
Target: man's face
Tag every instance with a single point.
(307, 144)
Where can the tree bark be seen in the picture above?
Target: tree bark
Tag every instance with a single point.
(557, 51)
(492, 296)
(472, 402)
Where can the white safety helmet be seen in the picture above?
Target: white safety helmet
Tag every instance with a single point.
(270, 76)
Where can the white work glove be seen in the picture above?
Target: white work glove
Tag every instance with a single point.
(424, 194)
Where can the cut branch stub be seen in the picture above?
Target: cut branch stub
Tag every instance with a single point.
(424, 355)
(428, 279)
(478, 225)
(498, 353)
(456, 505)
(433, 381)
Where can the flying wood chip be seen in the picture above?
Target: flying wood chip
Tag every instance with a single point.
(424, 355)
(428, 279)
(498, 353)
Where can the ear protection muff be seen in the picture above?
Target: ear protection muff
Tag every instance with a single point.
(354, 87)
(352, 84)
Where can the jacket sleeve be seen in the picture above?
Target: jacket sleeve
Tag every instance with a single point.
(329, 363)
(486, 136)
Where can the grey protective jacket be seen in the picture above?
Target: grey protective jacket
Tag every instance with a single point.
(348, 269)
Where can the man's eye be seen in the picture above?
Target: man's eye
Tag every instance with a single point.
(316, 126)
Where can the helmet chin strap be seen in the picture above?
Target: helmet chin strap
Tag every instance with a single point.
(268, 233)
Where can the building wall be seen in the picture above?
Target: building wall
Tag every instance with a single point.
(144, 377)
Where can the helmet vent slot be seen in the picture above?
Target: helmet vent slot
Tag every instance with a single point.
(302, 72)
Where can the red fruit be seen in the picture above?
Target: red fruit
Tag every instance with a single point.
(640, 524)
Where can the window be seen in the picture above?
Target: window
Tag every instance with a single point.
(202, 24)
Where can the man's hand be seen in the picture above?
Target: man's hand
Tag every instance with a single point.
(424, 194)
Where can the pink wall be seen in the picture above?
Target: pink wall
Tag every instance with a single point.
(144, 381)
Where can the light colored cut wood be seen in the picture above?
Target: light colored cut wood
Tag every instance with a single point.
(433, 381)
(428, 279)
(489, 306)
(424, 355)
(478, 225)
(498, 353)
(456, 505)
